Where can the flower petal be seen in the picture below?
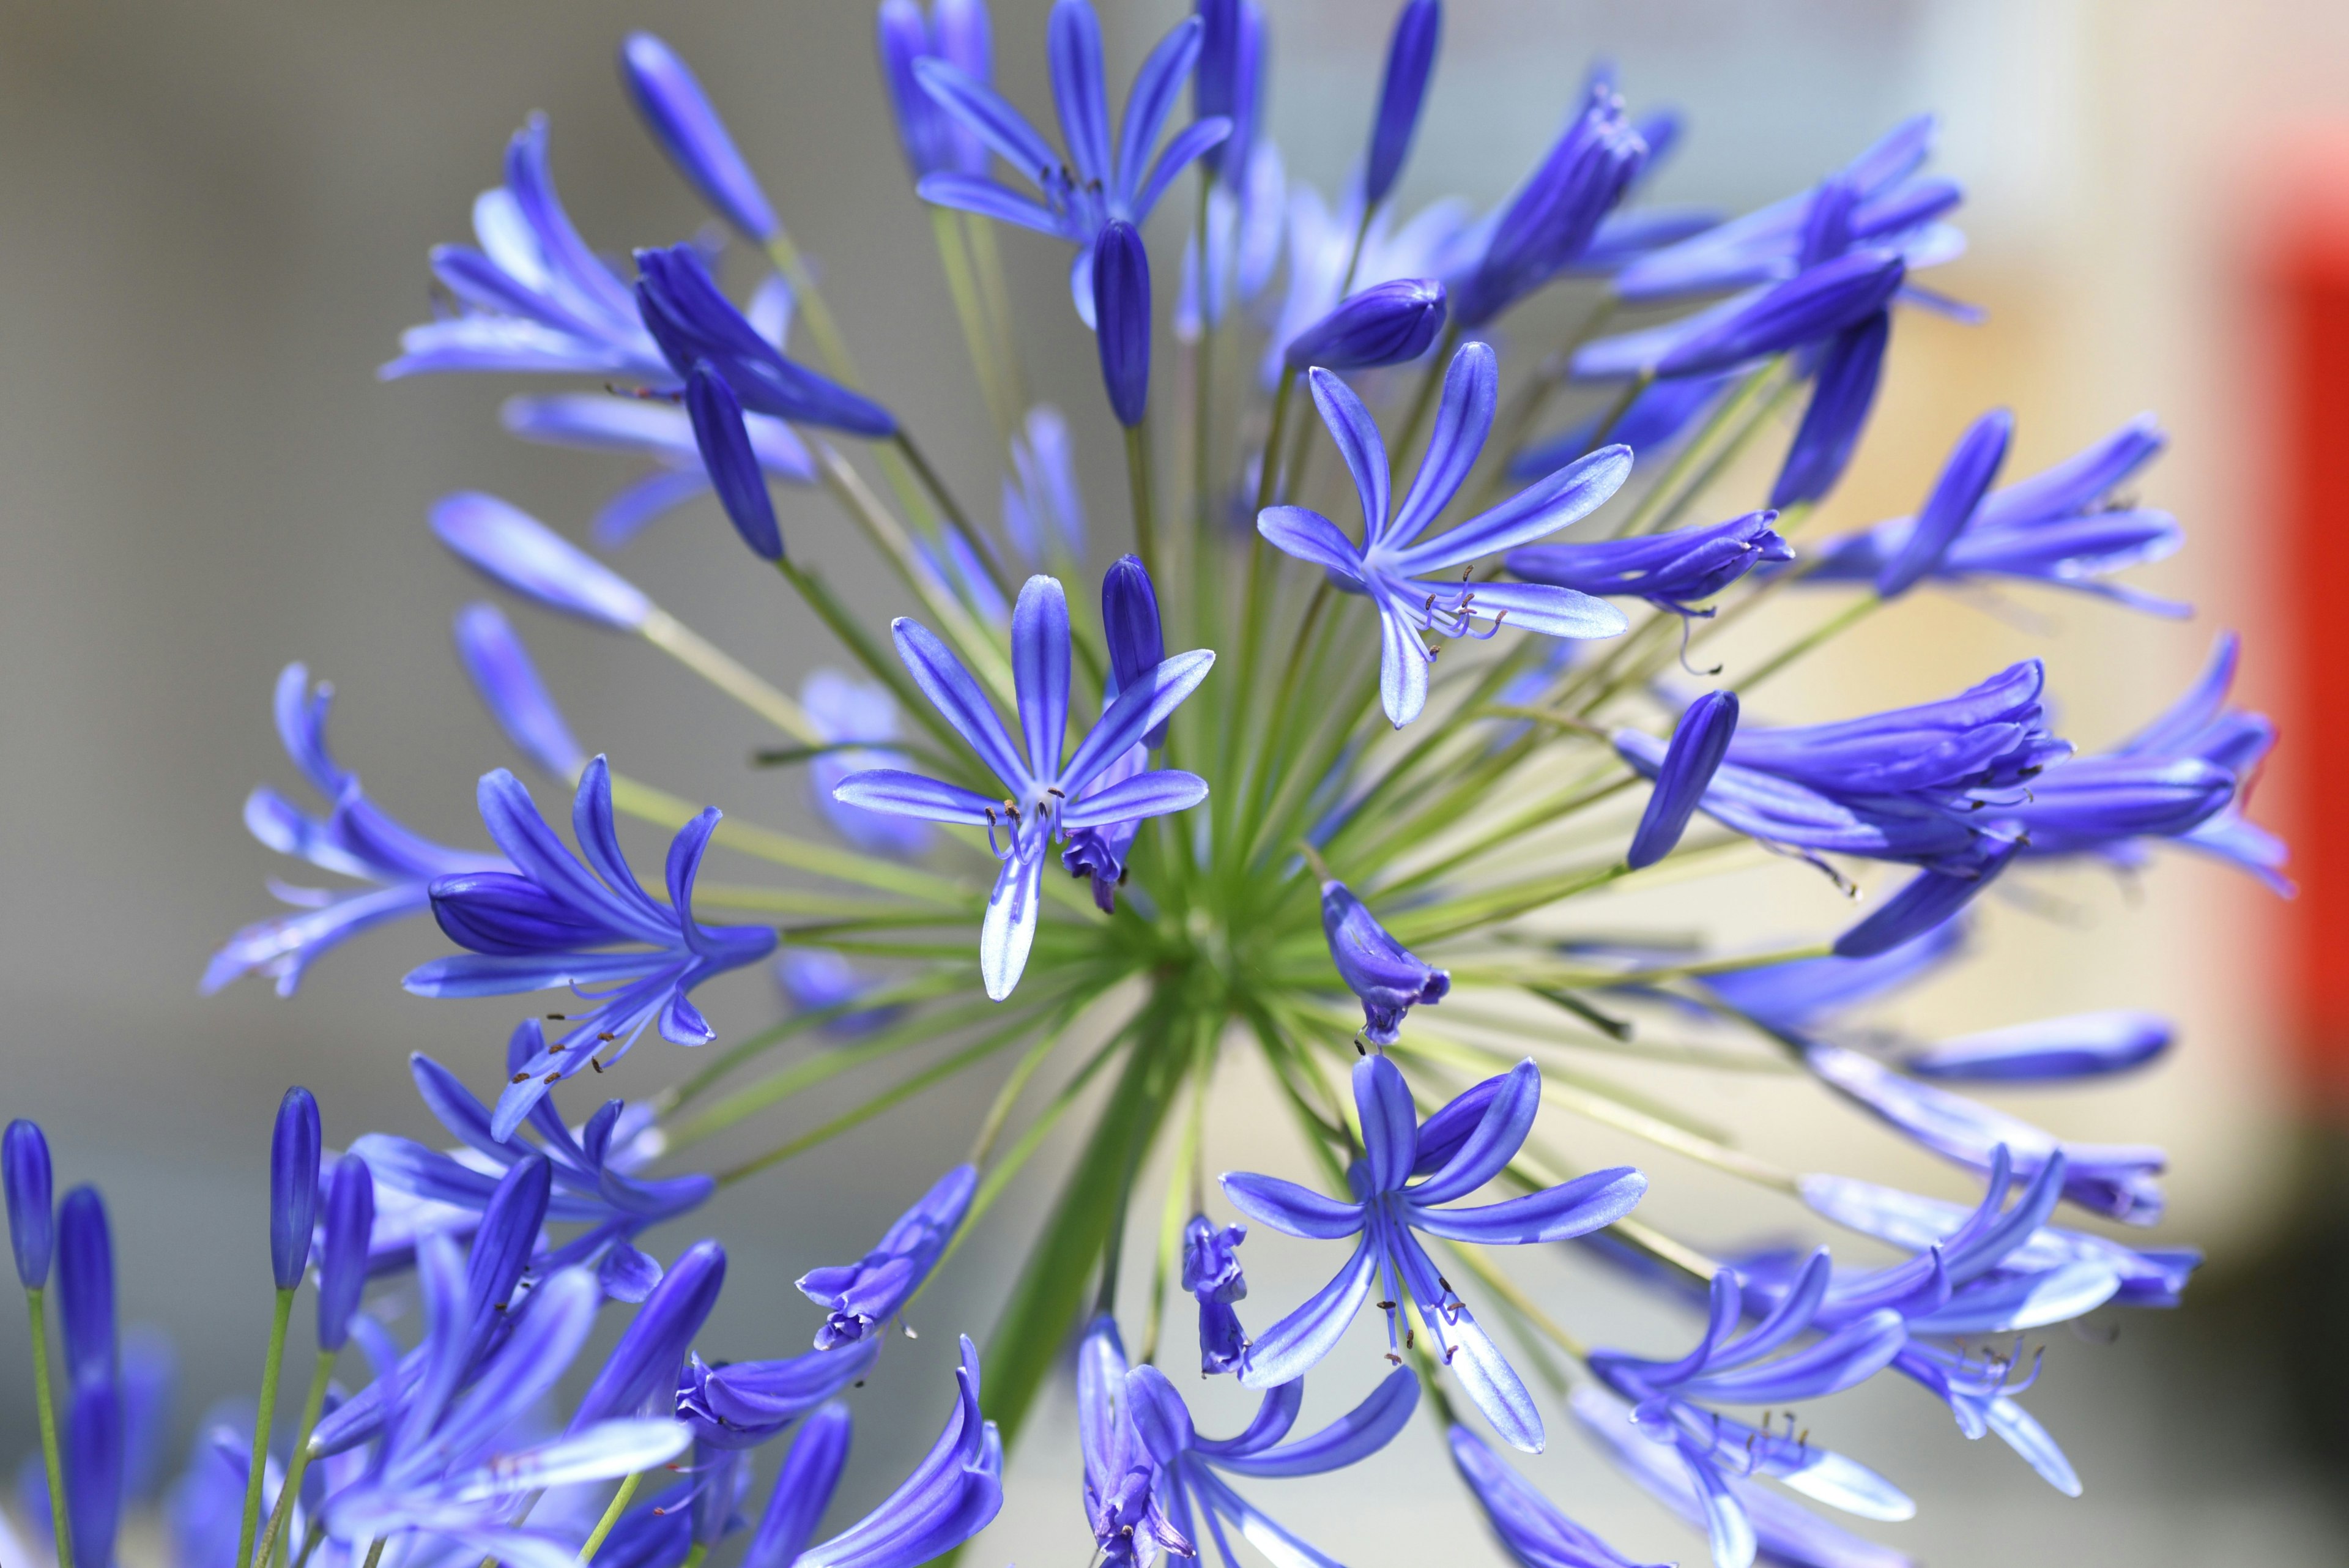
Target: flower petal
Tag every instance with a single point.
(1575, 1209)
(1291, 1347)
(1310, 536)
(1359, 1433)
(958, 699)
(1491, 1143)
(1356, 436)
(1289, 1207)
(1390, 1123)
(1462, 421)
(903, 793)
(1010, 929)
(1152, 793)
(1039, 671)
(1541, 508)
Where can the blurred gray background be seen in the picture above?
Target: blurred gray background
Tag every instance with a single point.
(213, 220)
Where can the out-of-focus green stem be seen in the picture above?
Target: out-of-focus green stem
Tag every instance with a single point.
(619, 1505)
(970, 312)
(313, 1402)
(1138, 483)
(713, 664)
(47, 1409)
(279, 1315)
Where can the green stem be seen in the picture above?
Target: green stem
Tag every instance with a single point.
(988, 259)
(278, 1317)
(1354, 256)
(619, 1505)
(693, 1558)
(1137, 477)
(1736, 407)
(858, 640)
(374, 1553)
(50, 1459)
(1203, 393)
(313, 1402)
(1423, 400)
(1268, 471)
(962, 287)
(821, 324)
(713, 664)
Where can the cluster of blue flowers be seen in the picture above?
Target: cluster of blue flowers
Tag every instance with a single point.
(1256, 838)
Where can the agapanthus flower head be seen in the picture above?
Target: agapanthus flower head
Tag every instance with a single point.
(1103, 178)
(31, 1219)
(1388, 323)
(1045, 784)
(1397, 571)
(1530, 1528)
(2061, 527)
(1386, 977)
(1676, 570)
(1455, 1152)
(355, 839)
(1411, 61)
(692, 321)
(957, 32)
(860, 1297)
(1550, 223)
(1211, 1272)
(293, 1145)
(510, 686)
(517, 551)
(670, 101)
(554, 921)
(1122, 321)
(535, 297)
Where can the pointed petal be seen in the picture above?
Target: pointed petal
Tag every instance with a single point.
(1577, 1208)
(958, 699)
(901, 793)
(1390, 1123)
(1073, 47)
(1039, 671)
(1152, 793)
(1010, 929)
(1151, 99)
(1291, 1347)
(1462, 421)
(1358, 441)
(1402, 669)
(1542, 508)
(1290, 1208)
(1359, 1433)
(1310, 536)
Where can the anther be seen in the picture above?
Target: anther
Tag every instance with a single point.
(520, 1078)
(595, 1064)
(1386, 1306)
(1393, 1357)
(553, 1078)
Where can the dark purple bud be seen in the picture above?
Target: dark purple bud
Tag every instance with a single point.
(1965, 479)
(690, 319)
(1137, 643)
(654, 1345)
(1699, 743)
(1927, 899)
(1385, 323)
(85, 1286)
(32, 1213)
(1806, 308)
(2083, 1045)
(93, 1456)
(803, 1489)
(732, 463)
(1411, 59)
(679, 115)
(349, 1224)
(1122, 317)
(293, 1186)
(1841, 395)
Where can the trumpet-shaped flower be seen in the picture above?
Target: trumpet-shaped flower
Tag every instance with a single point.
(551, 923)
(1397, 571)
(1674, 571)
(355, 839)
(1549, 224)
(860, 1297)
(1386, 977)
(1044, 789)
(1103, 179)
(1211, 1272)
(1457, 1151)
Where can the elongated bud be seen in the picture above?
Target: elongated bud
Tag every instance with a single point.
(1137, 643)
(1699, 743)
(1385, 323)
(654, 1346)
(1841, 393)
(803, 1489)
(94, 1463)
(85, 1286)
(501, 1249)
(725, 451)
(2083, 1045)
(1923, 902)
(1122, 317)
(1411, 59)
(32, 1214)
(517, 551)
(1812, 306)
(503, 672)
(1215, 81)
(293, 1186)
(349, 1224)
(1966, 478)
(681, 118)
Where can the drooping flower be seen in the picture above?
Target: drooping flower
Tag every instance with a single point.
(507, 679)
(1674, 571)
(1129, 1520)
(552, 922)
(1211, 1272)
(533, 297)
(740, 1404)
(355, 839)
(692, 321)
(1457, 1151)
(669, 100)
(1103, 179)
(1805, 311)
(1699, 742)
(1042, 787)
(860, 1297)
(1396, 571)
(1388, 978)
(1530, 1528)
(957, 32)
(1411, 61)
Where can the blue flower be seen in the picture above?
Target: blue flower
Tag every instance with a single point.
(508, 680)
(1529, 1527)
(355, 839)
(844, 709)
(1041, 501)
(517, 551)
(1844, 378)
(547, 926)
(743, 1405)
(1699, 742)
(1550, 223)
(533, 297)
(957, 32)
(1965, 478)
(1211, 1272)
(2081, 1045)
(860, 1297)
(1411, 60)
(1101, 179)
(692, 322)
(818, 980)
(1800, 992)
(293, 1186)
(1387, 566)
(669, 100)
(1228, 81)
(591, 1171)
(1674, 571)
(1121, 280)
(1129, 1520)
(951, 1495)
(1040, 783)
(1457, 1151)
(1670, 1404)
(1387, 323)
(1436, 242)
(1808, 308)
(642, 1367)
(32, 1223)
(1385, 976)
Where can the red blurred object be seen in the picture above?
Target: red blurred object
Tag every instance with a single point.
(2312, 278)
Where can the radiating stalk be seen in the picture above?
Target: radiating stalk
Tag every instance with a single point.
(634, 798)
(1354, 254)
(855, 637)
(1137, 476)
(619, 1505)
(46, 1406)
(374, 1553)
(1203, 393)
(1183, 1196)
(713, 664)
(1424, 399)
(1738, 406)
(1517, 422)
(278, 1317)
(987, 256)
(821, 324)
(998, 1110)
(313, 1402)
(962, 286)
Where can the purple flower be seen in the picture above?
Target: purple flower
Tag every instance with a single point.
(508, 680)
(742, 1404)
(818, 980)
(1843, 392)
(1457, 1151)
(553, 923)
(293, 1186)
(1957, 495)
(1102, 179)
(1699, 742)
(1674, 571)
(85, 1290)
(670, 101)
(1211, 1272)
(1120, 278)
(1411, 60)
(692, 321)
(31, 1221)
(1436, 242)
(345, 1226)
(1387, 977)
(2083, 1045)
(1129, 1520)
(645, 1363)
(355, 839)
(1041, 785)
(517, 551)
(1550, 223)
(1800, 993)
(1529, 1527)
(957, 32)
(1388, 323)
(860, 1297)
(1398, 574)
(535, 296)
